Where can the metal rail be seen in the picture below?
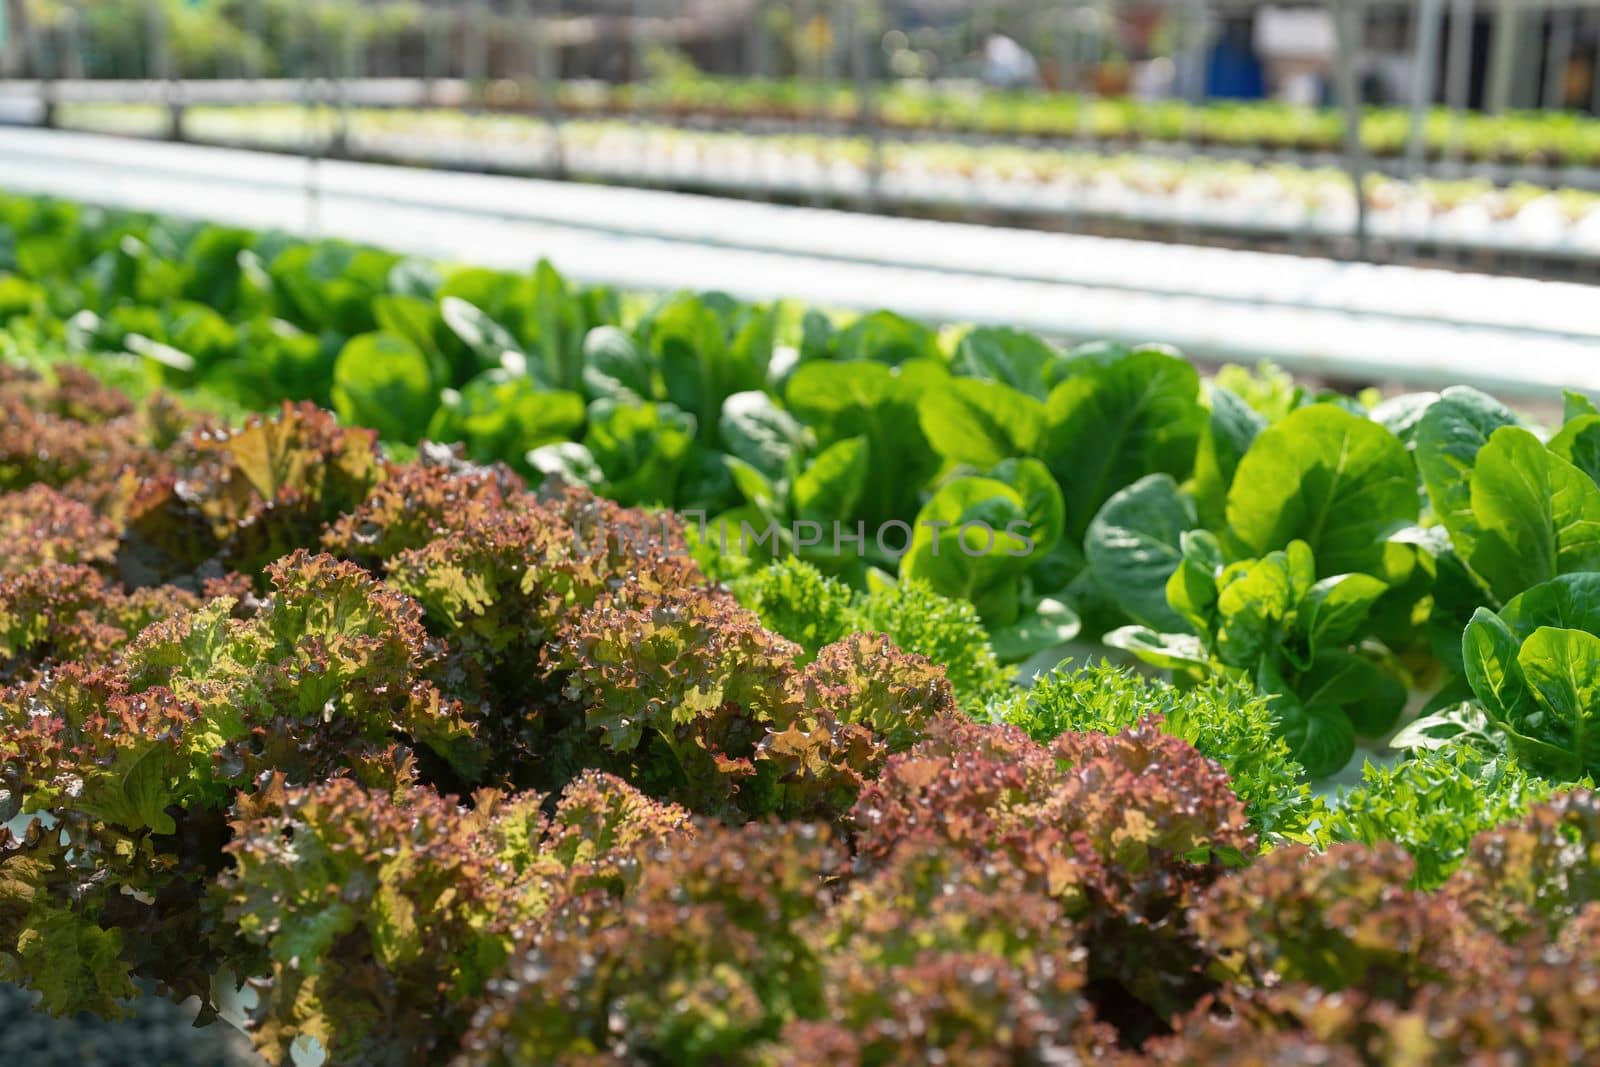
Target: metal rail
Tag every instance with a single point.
(473, 53)
(1537, 244)
(1350, 321)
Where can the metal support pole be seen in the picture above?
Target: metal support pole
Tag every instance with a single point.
(829, 60)
(547, 73)
(1348, 23)
(864, 25)
(762, 58)
(73, 64)
(1458, 74)
(1594, 87)
(1190, 60)
(475, 47)
(830, 75)
(348, 45)
(1525, 77)
(808, 72)
(41, 64)
(1430, 15)
(1563, 28)
(1066, 44)
(13, 39)
(1088, 32)
(161, 67)
(524, 15)
(639, 41)
(255, 22)
(435, 38)
(758, 49)
(1503, 37)
(314, 147)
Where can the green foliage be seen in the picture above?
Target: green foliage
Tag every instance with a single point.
(1011, 357)
(1433, 804)
(1538, 876)
(1118, 416)
(1118, 829)
(878, 404)
(875, 435)
(703, 957)
(981, 422)
(42, 526)
(1297, 639)
(383, 381)
(1334, 480)
(634, 453)
(1268, 390)
(795, 599)
(1135, 543)
(945, 630)
(1534, 515)
(501, 416)
(57, 613)
(431, 792)
(1532, 669)
(977, 537)
(708, 349)
(1228, 722)
(369, 906)
(326, 712)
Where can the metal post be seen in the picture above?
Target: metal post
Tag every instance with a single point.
(1348, 22)
(40, 62)
(1463, 14)
(547, 73)
(758, 51)
(524, 14)
(161, 67)
(73, 66)
(1189, 60)
(828, 61)
(314, 145)
(1429, 15)
(347, 69)
(1525, 77)
(761, 63)
(435, 30)
(1503, 36)
(863, 31)
(1066, 44)
(640, 43)
(1594, 88)
(374, 44)
(1563, 29)
(255, 22)
(829, 75)
(475, 47)
(14, 45)
(808, 69)
(1182, 44)
(1087, 21)
(1459, 72)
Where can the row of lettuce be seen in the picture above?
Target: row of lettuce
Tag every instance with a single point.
(1551, 137)
(223, 40)
(1330, 550)
(1114, 188)
(453, 771)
